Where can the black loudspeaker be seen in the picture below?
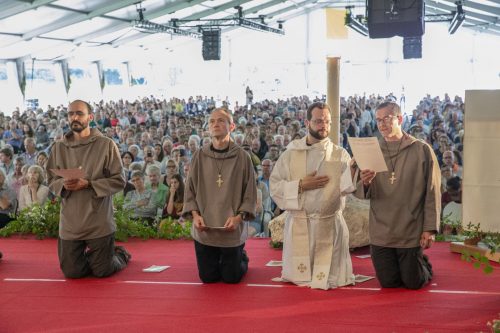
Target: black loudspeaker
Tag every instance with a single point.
(211, 44)
(412, 47)
(389, 18)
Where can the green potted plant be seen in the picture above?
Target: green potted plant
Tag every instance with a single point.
(492, 241)
(472, 234)
(451, 229)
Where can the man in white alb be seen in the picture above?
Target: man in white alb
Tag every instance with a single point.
(310, 181)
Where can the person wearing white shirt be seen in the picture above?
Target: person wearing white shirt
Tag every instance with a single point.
(34, 192)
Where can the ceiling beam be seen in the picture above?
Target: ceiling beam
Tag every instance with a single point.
(171, 8)
(193, 17)
(252, 10)
(480, 25)
(308, 10)
(319, 5)
(215, 10)
(468, 14)
(86, 12)
(77, 18)
(292, 7)
(11, 8)
(476, 5)
(256, 9)
(278, 12)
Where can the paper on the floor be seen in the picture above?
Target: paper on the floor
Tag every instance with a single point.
(358, 278)
(273, 263)
(363, 256)
(155, 269)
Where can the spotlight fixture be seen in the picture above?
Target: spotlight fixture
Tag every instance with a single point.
(355, 23)
(458, 18)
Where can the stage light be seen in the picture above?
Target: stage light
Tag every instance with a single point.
(355, 23)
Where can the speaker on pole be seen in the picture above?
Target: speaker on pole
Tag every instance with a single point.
(211, 40)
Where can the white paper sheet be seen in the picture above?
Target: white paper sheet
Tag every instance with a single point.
(155, 269)
(358, 278)
(368, 154)
(275, 263)
(363, 256)
(69, 173)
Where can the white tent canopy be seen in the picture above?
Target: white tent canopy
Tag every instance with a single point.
(106, 57)
(54, 30)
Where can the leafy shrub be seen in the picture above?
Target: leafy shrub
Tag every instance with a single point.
(126, 226)
(172, 229)
(43, 221)
(40, 220)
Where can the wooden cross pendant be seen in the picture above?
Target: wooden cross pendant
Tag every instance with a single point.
(392, 179)
(219, 180)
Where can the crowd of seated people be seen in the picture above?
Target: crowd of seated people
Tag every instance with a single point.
(157, 139)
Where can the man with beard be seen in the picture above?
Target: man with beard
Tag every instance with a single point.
(86, 242)
(310, 181)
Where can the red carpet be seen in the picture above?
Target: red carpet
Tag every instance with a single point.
(459, 299)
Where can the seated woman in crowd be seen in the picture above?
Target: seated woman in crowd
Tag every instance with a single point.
(167, 147)
(16, 179)
(158, 189)
(34, 191)
(175, 200)
(134, 166)
(41, 160)
(8, 201)
(172, 168)
(127, 159)
(140, 200)
(158, 152)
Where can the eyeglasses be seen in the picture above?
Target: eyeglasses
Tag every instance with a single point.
(321, 122)
(386, 120)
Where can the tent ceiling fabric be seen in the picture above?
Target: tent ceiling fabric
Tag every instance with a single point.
(52, 30)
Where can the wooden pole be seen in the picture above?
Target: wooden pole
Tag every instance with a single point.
(333, 96)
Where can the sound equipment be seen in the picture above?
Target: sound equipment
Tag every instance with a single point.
(389, 18)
